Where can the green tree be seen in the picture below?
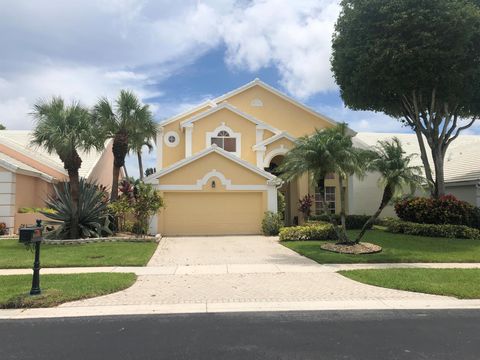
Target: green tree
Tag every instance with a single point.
(2, 127)
(395, 175)
(326, 151)
(121, 122)
(143, 136)
(65, 130)
(415, 60)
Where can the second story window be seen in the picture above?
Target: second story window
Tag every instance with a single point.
(225, 141)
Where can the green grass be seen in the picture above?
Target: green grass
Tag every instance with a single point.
(460, 283)
(396, 248)
(14, 255)
(57, 289)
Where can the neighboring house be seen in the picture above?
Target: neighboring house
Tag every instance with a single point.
(27, 174)
(462, 171)
(215, 163)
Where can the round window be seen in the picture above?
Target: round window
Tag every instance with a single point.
(171, 139)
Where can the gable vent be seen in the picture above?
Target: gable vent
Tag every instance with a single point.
(256, 102)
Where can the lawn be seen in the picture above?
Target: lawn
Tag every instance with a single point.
(460, 283)
(396, 248)
(57, 289)
(14, 255)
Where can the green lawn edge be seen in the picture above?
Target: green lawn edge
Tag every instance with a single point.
(459, 283)
(59, 289)
(396, 248)
(15, 256)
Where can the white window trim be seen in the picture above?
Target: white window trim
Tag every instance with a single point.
(237, 136)
(174, 134)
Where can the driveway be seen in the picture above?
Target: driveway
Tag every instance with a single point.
(218, 250)
(234, 270)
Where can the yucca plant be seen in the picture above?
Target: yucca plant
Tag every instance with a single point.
(92, 211)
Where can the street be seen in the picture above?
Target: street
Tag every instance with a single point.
(442, 334)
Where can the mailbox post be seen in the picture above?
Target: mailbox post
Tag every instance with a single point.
(29, 236)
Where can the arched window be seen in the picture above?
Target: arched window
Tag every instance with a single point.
(225, 141)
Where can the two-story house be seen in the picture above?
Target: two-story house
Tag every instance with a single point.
(215, 163)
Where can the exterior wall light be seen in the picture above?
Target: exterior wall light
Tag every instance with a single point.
(213, 184)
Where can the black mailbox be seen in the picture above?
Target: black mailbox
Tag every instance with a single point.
(31, 234)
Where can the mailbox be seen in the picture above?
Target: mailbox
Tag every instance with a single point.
(31, 234)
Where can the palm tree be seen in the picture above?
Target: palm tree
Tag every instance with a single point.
(121, 122)
(326, 151)
(143, 136)
(396, 174)
(65, 130)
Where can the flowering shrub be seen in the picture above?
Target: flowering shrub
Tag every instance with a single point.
(305, 205)
(445, 210)
(310, 232)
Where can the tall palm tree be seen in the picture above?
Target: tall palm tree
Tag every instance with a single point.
(326, 151)
(396, 175)
(143, 136)
(120, 122)
(65, 130)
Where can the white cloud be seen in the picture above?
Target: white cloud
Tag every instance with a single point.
(293, 36)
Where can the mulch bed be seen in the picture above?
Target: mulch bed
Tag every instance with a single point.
(355, 249)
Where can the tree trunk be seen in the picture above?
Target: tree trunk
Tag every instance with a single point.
(120, 151)
(387, 196)
(426, 163)
(125, 171)
(438, 161)
(140, 164)
(342, 207)
(75, 194)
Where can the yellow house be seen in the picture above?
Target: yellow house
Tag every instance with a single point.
(215, 163)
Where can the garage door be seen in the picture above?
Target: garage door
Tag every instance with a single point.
(212, 213)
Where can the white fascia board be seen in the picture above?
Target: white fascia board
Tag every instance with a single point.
(18, 170)
(233, 109)
(280, 94)
(186, 113)
(283, 135)
(213, 148)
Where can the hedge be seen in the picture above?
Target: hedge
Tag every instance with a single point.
(309, 232)
(432, 230)
(352, 222)
(445, 210)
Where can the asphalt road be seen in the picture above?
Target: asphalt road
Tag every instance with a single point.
(294, 335)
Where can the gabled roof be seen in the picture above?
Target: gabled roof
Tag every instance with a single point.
(271, 139)
(212, 149)
(20, 141)
(19, 167)
(233, 109)
(245, 87)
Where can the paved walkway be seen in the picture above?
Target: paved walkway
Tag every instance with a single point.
(203, 274)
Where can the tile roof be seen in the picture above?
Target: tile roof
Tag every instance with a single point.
(462, 160)
(20, 140)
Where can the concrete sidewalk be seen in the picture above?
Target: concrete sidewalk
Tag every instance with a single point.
(239, 268)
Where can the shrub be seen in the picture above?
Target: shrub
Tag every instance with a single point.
(33, 210)
(271, 223)
(92, 211)
(445, 210)
(352, 222)
(432, 230)
(311, 232)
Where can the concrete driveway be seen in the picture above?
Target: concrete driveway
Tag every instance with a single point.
(218, 250)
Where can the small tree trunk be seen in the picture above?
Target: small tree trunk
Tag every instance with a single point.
(115, 176)
(387, 196)
(140, 164)
(74, 194)
(342, 206)
(438, 161)
(125, 171)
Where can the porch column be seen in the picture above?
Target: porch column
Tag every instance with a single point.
(188, 140)
(272, 197)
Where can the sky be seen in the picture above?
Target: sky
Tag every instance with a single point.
(173, 54)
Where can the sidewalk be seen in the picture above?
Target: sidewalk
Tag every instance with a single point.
(239, 268)
(243, 287)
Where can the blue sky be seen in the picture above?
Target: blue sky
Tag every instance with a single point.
(173, 54)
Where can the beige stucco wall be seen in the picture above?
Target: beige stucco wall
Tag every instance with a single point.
(467, 192)
(278, 112)
(188, 175)
(102, 173)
